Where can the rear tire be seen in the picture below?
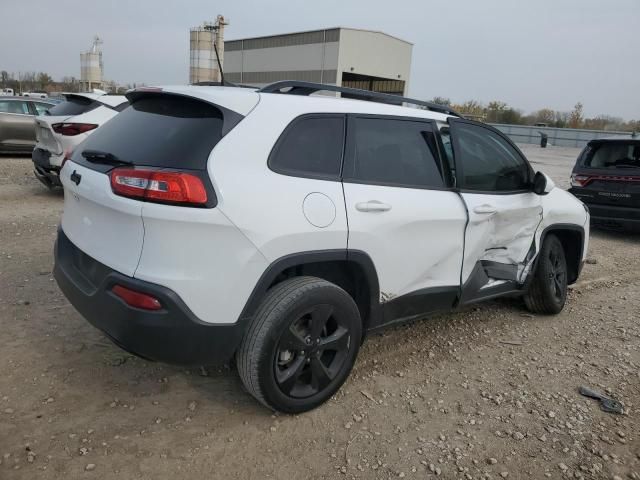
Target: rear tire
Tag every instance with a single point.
(301, 344)
(547, 293)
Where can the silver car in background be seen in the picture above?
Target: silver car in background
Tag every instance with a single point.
(17, 123)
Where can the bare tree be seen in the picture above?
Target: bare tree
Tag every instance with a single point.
(442, 101)
(576, 118)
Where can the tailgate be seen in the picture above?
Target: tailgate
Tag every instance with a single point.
(105, 226)
(620, 190)
(609, 171)
(45, 137)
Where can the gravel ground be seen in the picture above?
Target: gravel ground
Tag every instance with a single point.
(487, 392)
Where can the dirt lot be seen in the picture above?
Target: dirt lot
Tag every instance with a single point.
(489, 392)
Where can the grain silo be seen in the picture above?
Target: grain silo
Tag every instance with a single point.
(91, 67)
(204, 40)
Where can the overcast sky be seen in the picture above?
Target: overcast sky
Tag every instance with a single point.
(530, 54)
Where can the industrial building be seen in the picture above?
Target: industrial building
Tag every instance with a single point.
(91, 67)
(340, 56)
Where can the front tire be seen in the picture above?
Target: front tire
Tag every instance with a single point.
(301, 345)
(548, 290)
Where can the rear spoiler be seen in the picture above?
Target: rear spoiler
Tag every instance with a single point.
(229, 117)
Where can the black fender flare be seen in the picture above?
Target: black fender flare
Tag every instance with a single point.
(278, 266)
(559, 227)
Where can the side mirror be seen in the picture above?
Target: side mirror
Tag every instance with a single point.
(542, 184)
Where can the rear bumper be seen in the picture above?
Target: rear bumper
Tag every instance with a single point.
(616, 217)
(172, 335)
(48, 174)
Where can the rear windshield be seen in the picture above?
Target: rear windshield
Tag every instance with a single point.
(73, 106)
(161, 131)
(612, 155)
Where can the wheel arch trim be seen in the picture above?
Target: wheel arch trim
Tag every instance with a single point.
(357, 257)
(562, 227)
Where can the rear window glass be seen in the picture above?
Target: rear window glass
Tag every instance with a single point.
(161, 131)
(612, 155)
(73, 106)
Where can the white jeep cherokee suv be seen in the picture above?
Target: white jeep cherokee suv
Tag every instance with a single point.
(206, 223)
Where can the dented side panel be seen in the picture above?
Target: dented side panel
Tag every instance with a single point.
(501, 229)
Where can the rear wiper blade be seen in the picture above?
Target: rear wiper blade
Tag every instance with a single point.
(98, 156)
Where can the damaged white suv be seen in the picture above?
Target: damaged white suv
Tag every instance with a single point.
(279, 227)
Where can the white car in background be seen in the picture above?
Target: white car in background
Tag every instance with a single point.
(66, 125)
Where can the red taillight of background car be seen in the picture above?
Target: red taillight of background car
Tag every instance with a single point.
(159, 186)
(579, 180)
(71, 129)
(137, 299)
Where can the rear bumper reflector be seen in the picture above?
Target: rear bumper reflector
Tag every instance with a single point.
(137, 299)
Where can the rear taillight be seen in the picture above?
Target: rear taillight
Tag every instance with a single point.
(137, 299)
(579, 180)
(159, 186)
(71, 129)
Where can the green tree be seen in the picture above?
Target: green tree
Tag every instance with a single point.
(495, 110)
(43, 80)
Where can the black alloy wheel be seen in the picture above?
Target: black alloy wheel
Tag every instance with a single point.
(547, 292)
(311, 352)
(301, 345)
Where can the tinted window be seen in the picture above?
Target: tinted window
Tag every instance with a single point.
(311, 146)
(612, 155)
(393, 152)
(41, 108)
(160, 131)
(487, 162)
(14, 106)
(73, 106)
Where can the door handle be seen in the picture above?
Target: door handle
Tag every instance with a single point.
(485, 209)
(372, 206)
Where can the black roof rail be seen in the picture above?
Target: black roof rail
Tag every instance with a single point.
(220, 84)
(296, 87)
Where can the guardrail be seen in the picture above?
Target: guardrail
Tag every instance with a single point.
(561, 137)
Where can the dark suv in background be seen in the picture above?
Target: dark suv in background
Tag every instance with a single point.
(606, 178)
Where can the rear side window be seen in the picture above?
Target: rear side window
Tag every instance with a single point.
(310, 147)
(612, 155)
(161, 131)
(393, 152)
(73, 106)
